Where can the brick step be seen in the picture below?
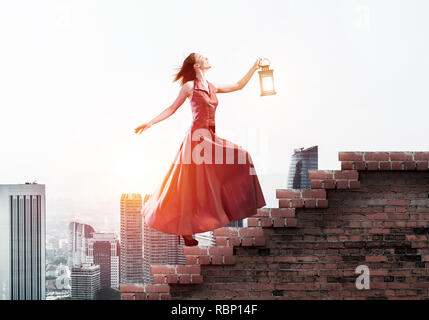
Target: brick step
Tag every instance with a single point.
(177, 273)
(236, 236)
(384, 161)
(273, 217)
(334, 179)
(300, 194)
(301, 198)
(145, 291)
(209, 255)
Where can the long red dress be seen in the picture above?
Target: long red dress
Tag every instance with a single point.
(205, 188)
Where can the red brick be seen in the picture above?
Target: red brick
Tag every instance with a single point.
(141, 296)
(220, 251)
(354, 184)
(216, 259)
(329, 184)
(372, 165)
(376, 156)
(421, 156)
(397, 165)
(195, 250)
(291, 222)
(266, 222)
(252, 222)
(283, 212)
(263, 212)
(203, 259)
(225, 232)
(409, 165)
(398, 202)
(288, 193)
(375, 258)
(320, 174)
(313, 194)
(196, 278)
(347, 165)
(322, 203)
(350, 156)
(378, 230)
(385, 165)
(308, 203)
(189, 269)
(162, 269)
(172, 278)
(422, 165)
(157, 288)
(334, 230)
(222, 241)
(184, 278)
(235, 241)
(229, 260)
(393, 285)
(127, 296)
(285, 203)
(316, 184)
(307, 258)
(342, 184)
(346, 174)
(359, 165)
(260, 241)
(158, 278)
(153, 296)
(247, 242)
(251, 232)
(297, 203)
(193, 259)
(401, 156)
(278, 222)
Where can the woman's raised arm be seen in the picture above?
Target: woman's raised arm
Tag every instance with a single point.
(224, 88)
(183, 94)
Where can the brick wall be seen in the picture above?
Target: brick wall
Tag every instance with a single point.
(374, 212)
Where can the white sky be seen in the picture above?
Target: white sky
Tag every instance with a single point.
(76, 78)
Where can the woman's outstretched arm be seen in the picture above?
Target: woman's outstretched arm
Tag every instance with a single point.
(183, 94)
(224, 88)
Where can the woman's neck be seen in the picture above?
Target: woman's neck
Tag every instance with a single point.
(201, 75)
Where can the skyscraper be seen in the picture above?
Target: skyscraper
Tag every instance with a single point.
(85, 281)
(131, 255)
(103, 250)
(160, 248)
(302, 160)
(79, 235)
(22, 242)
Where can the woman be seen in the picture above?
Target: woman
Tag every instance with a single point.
(201, 195)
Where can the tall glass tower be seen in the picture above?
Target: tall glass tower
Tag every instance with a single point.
(131, 251)
(22, 241)
(302, 160)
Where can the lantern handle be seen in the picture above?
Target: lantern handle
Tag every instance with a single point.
(269, 62)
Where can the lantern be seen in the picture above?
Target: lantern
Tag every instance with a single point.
(266, 80)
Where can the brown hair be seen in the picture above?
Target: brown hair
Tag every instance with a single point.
(186, 71)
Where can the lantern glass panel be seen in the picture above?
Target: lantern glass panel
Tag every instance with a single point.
(267, 83)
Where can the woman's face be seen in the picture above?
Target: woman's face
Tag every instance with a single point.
(203, 62)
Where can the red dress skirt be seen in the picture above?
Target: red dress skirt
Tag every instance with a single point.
(211, 181)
